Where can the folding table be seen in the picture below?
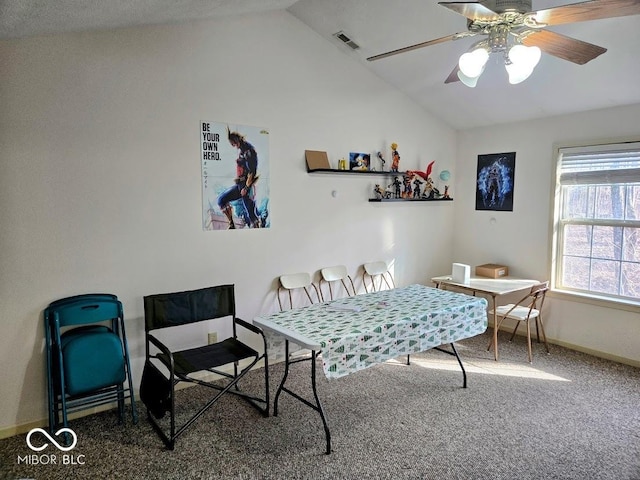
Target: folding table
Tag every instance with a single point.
(358, 332)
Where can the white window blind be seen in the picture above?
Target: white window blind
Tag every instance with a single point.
(600, 164)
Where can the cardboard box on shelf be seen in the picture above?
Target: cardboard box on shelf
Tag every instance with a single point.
(492, 270)
(316, 160)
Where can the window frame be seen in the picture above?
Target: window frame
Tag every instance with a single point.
(558, 222)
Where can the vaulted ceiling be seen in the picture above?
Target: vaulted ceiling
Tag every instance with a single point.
(555, 87)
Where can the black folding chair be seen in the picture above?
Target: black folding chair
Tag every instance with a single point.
(165, 368)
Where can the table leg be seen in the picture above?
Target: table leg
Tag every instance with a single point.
(454, 352)
(284, 378)
(317, 406)
(495, 327)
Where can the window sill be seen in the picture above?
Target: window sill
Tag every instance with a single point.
(627, 305)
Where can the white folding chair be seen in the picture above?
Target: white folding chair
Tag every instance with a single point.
(377, 270)
(528, 308)
(330, 275)
(295, 284)
(299, 288)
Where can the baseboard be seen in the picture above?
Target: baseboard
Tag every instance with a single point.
(577, 348)
(22, 428)
(596, 353)
(44, 422)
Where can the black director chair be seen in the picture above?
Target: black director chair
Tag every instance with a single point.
(165, 368)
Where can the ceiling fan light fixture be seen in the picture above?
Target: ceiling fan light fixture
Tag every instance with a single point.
(500, 20)
(469, 81)
(472, 63)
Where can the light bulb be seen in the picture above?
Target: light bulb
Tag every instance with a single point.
(472, 63)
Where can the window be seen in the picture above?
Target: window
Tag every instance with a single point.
(597, 221)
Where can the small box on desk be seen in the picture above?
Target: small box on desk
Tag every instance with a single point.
(492, 270)
(460, 273)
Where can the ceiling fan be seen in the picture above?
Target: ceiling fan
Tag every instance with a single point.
(512, 30)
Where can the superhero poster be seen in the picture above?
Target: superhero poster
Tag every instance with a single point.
(494, 182)
(235, 176)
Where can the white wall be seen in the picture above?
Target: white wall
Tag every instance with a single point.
(521, 239)
(100, 182)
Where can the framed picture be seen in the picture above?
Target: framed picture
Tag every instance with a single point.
(494, 181)
(359, 161)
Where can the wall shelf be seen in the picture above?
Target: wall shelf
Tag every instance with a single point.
(351, 172)
(386, 200)
(337, 171)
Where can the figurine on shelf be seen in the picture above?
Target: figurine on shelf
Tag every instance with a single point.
(395, 163)
(446, 192)
(416, 187)
(424, 175)
(430, 191)
(396, 185)
(406, 180)
(382, 162)
(377, 191)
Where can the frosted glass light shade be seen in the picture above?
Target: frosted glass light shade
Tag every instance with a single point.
(523, 60)
(525, 56)
(517, 73)
(472, 63)
(469, 81)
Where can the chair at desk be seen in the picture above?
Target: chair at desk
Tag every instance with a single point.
(379, 271)
(332, 275)
(528, 308)
(87, 363)
(298, 284)
(165, 367)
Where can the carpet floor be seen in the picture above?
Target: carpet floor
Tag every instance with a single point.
(566, 416)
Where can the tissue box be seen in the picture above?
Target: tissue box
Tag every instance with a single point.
(492, 270)
(460, 273)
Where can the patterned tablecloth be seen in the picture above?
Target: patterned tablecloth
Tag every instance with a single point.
(361, 331)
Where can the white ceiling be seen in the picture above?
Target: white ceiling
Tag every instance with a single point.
(555, 87)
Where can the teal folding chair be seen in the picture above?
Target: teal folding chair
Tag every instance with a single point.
(87, 356)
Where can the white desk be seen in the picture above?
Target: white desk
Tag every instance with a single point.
(358, 332)
(493, 287)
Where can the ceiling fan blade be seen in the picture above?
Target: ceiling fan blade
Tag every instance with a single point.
(455, 36)
(560, 46)
(453, 76)
(471, 10)
(591, 10)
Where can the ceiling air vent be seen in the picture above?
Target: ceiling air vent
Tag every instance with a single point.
(346, 40)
